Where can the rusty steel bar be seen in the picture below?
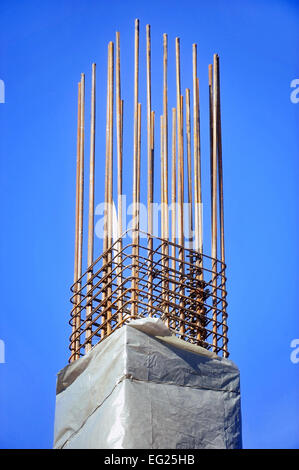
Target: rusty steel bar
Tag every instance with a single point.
(111, 102)
(173, 180)
(163, 221)
(90, 242)
(180, 138)
(180, 181)
(138, 192)
(162, 176)
(189, 169)
(199, 188)
(107, 188)
(173, 200)
(150, 209)
(211, 128)
(201, 320)
(118, 103)
(149, 162)
(214, 199)
(196, 157)
(119, 117)
(105, 235)
(135, 168)
(81, 198)
(76, 312)
(181, 199)
(81, 177)
(165, 135)
(110, 182)
(221, 212)
(165, 171)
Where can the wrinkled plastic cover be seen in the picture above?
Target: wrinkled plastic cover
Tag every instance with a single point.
(143, 388)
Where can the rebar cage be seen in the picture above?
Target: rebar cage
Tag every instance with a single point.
(146, 275)
(150, 277)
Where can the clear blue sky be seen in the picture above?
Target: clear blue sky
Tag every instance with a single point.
(44, 48)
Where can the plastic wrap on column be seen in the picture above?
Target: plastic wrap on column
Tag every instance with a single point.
(144, 388)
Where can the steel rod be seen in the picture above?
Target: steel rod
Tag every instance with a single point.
(189, 169)
(81, 177)
(199, 187)
(180, 183)
(80, 203)
(214, 199)
(196, 158)
(119, 117)
(90, 243)
(211, 137)
(173, 198)
(135, 169)
(149, 164)
(221, 212)
(110, 182)
(197, 192)
(165, 134)
(138, 192)
(165, 171)
(76, 312)
(108, 190)
(150, 240)
(162, 168)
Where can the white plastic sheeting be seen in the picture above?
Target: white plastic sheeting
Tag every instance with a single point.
(142, 388)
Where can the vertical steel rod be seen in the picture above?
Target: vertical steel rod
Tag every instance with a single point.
(138, 190)
(180, 185)
(162, 179)
(90, 242)
(189, 169)
(196, 153)
(165, 174)
(173, 202)
(163, 221)
(106, 221)
(149, 166)
(134, 308)
(76, 312)
(214, 203)
(80, 210)
(108, 195)
(119, 173)
(197, 191)
(221, 215)
(110, 190)
(199, 188)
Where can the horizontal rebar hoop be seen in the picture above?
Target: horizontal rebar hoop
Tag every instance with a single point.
(191, 302)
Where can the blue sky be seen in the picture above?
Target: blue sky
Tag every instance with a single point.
(44, 48)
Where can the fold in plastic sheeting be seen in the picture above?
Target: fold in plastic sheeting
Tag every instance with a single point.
(143, 388)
